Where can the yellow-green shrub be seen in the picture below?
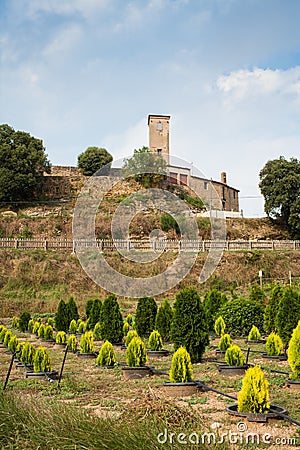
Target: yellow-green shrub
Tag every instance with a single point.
(155, 341)
(72, 343)
(28, 352)
(225, 342)
(61, 337)
(254, 395)
(87, 342)
(274, 345)
(41, 362)
(130, 335)
(107, 355)
(294, 353)
(136, 354)
(220, 326)
(181, 368)
(254, 334)
(234, 356)
(13, 344)
(73, 326)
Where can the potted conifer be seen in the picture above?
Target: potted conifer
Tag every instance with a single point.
(97, 332)
(224, 344)
(136, 358)
(86, 346)
(155, 344)
(60, 339)
(41, 365)
(181, 382)
(73, 326)
(72, 343)
(274, 347)
(254, 336)
(235, 362)
(107, 356)
(293, 382)
(26, 356)
(13, 344)
(130, 335)
(219, 326)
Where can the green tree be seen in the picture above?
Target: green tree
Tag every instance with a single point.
(95, 313)
(73, 310)
(24, 320)
(111, 321)
(62, 319)
(288, 314)
(189, 327)
(164, 319)
(145, 316)
(272, 309)
(22, 164)
(145, 166)
(213, 300)
(93, 159)
(280, 186)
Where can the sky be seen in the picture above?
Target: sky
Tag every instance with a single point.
(80, 73)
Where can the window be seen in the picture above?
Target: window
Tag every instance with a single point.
(159, 151)
(205, 185)
(233, 194)
(183, 179)
(159, 126)
(173, 177)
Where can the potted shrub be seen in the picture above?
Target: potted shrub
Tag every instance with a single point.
(15, 322)
(19, 350)
(97, 332)
(254, 336)
(81, 327)
(26, 356)
(41, 331)
(107, 356)
(13, 344)
(219, 326)
(36, 327)
(274, 347)
(155, 344)
(73, 326)
(48, 333)
(224, 344)
(253, 399)
(136, 358)
(61, 339)
(126, 328)
(41, 365)
(181, 375)
(23, 321)
(72, 343)
(293, 381)
(86, 346)
(163, 320)
(50, 321)
(129, 319)
(130, 335)
(30, 326)
(3, 331)
(111, 320)
(145, 316)
(235, 362)
(7, 337)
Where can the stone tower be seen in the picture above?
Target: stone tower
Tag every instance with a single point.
(159, 135)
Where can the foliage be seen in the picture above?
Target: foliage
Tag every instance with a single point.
(88, 307)
(62, 319)
(145, 166)
(23, 321)
(234, 356)
(225, 342)
(87, 343)
(288, 314)
(41, 361)
(280, 186)
(72, 343)
(13, 344)
(189, 327)
(81, 327)
(294, 353)
(73, 310)
(129, 319)
(107, 355)
(95, 313)
(111, 320)
(41, 331)
(240, 314)
(257, 294)
(130, 335)
(15, 322)
(22, 163)
(126, 328)
(181, 368)
(219, 326)
(61, 337)
(271, 309)
(30, 325)
(136, 354)
(28, 353)
(254, 395)
(93, 159)
(254, 334)
(274, 345)
(163, 320)
(97, 331)
(48, 333)
(3, 331)
(155, 341)
(36, 327)
(50, 321)
(213, 300)
(73, 326)
(168, 222)
(145, 316)
(7, 337)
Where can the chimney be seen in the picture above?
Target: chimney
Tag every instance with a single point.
(223, 178)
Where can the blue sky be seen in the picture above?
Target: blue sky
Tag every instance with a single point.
(80, 73)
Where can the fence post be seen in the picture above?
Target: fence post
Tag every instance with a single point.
(45, 244)
(16, 243)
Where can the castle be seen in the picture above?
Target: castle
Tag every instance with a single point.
(65, 182)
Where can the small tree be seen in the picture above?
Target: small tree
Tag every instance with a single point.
(41, 362)
(257, 294)
(23, 321)
(155, 341)
(146, 167)
(254, 334)
(13, 344)
(61, 337)
(213, 301)
(7, 337)
(41, 331)
(271, 309)
(50, 321)
(225, 342)
(254, 395)
(48, 333)
(164, 319)
(15, 322)
(88, 307)
(240, 314)
(62, 319)
(130, 335)
(107, 355)
(36, 327)
(288, 314)
(73, 310)
(234, 356)
(93, 159)
(30, 325)
(3, 331)
(95, 313)
(87, 343)
(294, 353)
(111, 320)
(181, 368)
(73, 326)
(129, 319)
(136, 354)
(72, 343)
(219, 326)
(145, 316)
(28, 353)
(126, 328)
(274, 345)
(189, 327)
(97, 331)
(81, 327)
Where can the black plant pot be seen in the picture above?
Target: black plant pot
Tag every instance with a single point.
(157, 353)
(258, 417)
(87, 355)
(258, 341)
(276, 358)
(230, 371)
(134, 373)
(42, 375)
(180, 389)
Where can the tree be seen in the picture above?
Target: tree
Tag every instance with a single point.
(22, 164)
(95, 313)
(145, 316)
(62, 320)
(288, 314)
(164, 319)
(146, 167)
(280, 186)
(213, 300)
(189, 327)
(24, 320)
(93, 159)
(111, 321)
(272, 309)
(73, 310)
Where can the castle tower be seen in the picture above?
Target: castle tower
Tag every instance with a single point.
(159, 135)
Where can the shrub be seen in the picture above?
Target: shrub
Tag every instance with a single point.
(155, 341)
(13, 344)
(107, 355)
(130, 335)
(73, 310)
(254, 395)
(19, 349)
(145, 316)
(72, 343)
(41, 361)
(126, 328)
(212, 303)
(240, 314)
(225, 342)
(189, 328)
(61, 337)
(15, 322)
(294, 353)
(288, 314)
(48, 333)
(111, 320)
(81, 328)
(62, 319)
(129, 319)
(169, 223)
(257, 294)
(87, 343)
(27, 355)
(50, 321)
(274, 345)
(97, 331)
(95, 313)
(3, 331)
(7, 337)
(73, 326)
(254, 334)
(30, 325)
(41, 331)
(164, 319)
(272, 309)
(36, 327)
(136, 354)
(234, 356)
(23, 321)
(181, 368)
(219, 326)
(88, 307)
